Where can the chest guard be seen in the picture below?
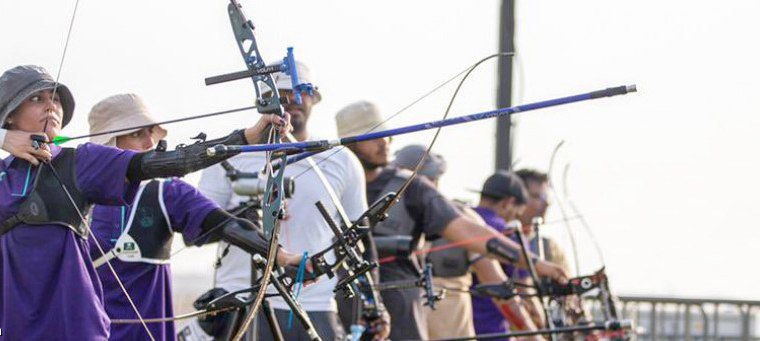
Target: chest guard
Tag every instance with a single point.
(148, 236)
(48, 203)
(449, 262)
(399, 221)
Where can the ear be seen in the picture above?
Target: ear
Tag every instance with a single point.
(521, 209)
(509, 202)
(9, 119)
(504, 203)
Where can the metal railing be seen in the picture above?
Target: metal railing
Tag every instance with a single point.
(667, 318)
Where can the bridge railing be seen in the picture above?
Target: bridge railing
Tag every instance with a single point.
(667, 318)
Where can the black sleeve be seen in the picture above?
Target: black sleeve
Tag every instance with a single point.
(429, 207)
(183, 160)
(236, 231)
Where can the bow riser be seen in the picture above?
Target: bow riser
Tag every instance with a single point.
(243, 30)
(273, 197)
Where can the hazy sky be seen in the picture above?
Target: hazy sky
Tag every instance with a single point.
(665, 177)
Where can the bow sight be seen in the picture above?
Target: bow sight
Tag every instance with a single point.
(287, 66)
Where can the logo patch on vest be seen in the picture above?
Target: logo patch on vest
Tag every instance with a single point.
(146, 217)
(34, 209)
(129, 246)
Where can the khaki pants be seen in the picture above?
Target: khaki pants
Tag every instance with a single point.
(453, 315)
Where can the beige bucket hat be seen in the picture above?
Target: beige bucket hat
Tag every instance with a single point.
(284, 82)
(359, 118)
(117, 112)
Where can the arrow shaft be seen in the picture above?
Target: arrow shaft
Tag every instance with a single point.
(310, 146)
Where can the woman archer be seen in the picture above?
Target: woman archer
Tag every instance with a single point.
(138, 237)
(50, 287)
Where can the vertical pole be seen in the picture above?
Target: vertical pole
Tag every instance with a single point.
(653, 322)
(745, 321)
(687, 323)
(716, 321)
(705, 322)
(504, 90)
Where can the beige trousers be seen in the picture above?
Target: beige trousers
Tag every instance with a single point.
(453, 315)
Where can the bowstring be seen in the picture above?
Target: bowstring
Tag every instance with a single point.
(562, 210)
(100, 248)
(189, 118)
(85, 223)
(446, 114)
(271, 255)
(399, 112)
(63, 58)
(566, 195)
(270, 139)
(468, 70)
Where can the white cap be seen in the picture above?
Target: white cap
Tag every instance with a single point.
(284, 82)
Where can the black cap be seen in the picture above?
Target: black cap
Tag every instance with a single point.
(504, 184)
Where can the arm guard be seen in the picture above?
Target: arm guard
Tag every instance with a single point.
(396, 245)
(501, 291)
(495, 247)
(239, 232)
(183, 160)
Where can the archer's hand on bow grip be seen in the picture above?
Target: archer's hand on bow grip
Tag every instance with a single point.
(21, 144)
(290, 271)
(256, 133)
(546, 268)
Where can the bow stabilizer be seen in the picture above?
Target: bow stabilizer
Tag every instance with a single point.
(307, 146)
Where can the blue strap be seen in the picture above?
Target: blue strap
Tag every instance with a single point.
(299, 283)
(356, 332)
(26, 184)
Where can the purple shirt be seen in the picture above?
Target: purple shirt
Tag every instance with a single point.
(50, 290)
(149, 285)
(485, 315)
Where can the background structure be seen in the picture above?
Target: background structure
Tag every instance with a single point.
(667, 177)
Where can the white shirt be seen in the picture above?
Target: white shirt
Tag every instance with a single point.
(305, 230)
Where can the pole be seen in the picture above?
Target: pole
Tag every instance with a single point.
(504, 89)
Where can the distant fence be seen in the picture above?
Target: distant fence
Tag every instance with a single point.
(666, 318)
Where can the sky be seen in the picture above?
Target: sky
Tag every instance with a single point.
(665, 177)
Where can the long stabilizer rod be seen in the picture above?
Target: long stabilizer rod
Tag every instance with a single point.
(320, 145)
